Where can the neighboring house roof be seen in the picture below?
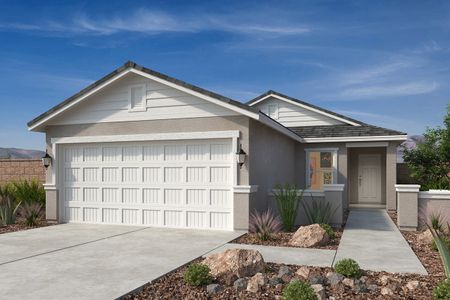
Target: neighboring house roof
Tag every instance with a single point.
(133, 65)
(304, 104)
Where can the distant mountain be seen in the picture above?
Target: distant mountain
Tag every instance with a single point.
(14, 153)
(409, 143)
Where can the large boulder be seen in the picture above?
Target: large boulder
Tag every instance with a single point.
(309, 236)
(241, 262)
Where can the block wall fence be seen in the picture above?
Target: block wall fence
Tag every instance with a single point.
(20, 169)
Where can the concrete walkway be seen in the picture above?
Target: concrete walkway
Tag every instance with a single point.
(73, 261)
(372, 239)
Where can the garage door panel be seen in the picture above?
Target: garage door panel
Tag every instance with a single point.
(172, 184)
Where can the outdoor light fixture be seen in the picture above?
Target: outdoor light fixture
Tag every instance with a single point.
(241, 156)
(46, 160)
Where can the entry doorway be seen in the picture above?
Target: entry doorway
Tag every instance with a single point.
(369, 179)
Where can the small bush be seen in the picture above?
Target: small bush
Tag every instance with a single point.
(29, 191)
(197, 274)
(299, 290)
(348, 267)
(32, 212)
(329, 230)
(264, 224)
(442, 290)
(287, 202)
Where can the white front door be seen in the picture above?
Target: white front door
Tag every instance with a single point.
(161, 183)
(369, 178)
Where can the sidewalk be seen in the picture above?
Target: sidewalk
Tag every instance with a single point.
(370, 237)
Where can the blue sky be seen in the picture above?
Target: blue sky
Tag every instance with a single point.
(383, 62)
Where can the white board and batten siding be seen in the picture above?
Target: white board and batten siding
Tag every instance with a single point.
(112, 104)
(182, 184)
(291, 115)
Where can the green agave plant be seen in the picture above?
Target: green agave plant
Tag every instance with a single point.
(444, 252)
(8, 205)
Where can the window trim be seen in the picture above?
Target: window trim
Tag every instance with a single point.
(144, 98)
(334, 153)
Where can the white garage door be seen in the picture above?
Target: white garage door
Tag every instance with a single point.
(171, 184)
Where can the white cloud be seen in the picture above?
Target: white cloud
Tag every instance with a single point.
(372, 73)
(155, 22)
(405, 89)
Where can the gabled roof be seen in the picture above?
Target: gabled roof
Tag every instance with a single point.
(132, 67)
(311, 132)
(305, 105)
(129, 65)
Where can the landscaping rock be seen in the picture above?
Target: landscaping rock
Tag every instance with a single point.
(275, 280)
(363, 279)
(284, 270)
(240, 262)
(240, 284)
(348, 282)
(320, 291)
(334, 278)
(229, 279)
(254, 283)
(309, 236)
(286, 278)
(372, 287)
(384, 280)
(385, 291)
(412, 285)
(279, 287)
(425, 237)
(303, 272)
(317, 279)
(213, 288)
(359, 286)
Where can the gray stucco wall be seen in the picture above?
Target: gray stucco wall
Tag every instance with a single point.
(271, 161)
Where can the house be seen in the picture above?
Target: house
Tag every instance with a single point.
(139, 147)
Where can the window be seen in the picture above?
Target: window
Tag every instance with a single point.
(321, 168)
(137, 98)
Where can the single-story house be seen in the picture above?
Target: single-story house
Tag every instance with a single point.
(139, 147)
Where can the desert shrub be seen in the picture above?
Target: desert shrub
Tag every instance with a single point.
(29, 192)
(299, 290)
(8, 205)
(328, 230)
(319, 211)
(348, 267)
(197, 274)
(429, 160)
(287, 202)
(32, 212)
(264, 224)
(442, 290)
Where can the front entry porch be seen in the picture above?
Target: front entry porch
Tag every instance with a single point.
(367, 177)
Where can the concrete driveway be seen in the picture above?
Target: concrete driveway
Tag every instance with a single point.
(73, 261)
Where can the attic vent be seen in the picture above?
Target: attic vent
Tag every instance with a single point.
(137, 98)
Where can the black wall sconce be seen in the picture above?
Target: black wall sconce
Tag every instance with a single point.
(241, 156)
